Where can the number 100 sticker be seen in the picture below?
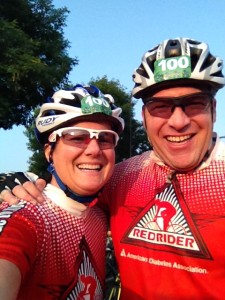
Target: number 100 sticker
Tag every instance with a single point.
(90, 104)
(172, 68)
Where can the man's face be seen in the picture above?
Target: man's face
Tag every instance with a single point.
(181, 141)
(85, 171)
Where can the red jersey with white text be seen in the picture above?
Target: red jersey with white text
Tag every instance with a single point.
(58, 247)
(168, 228)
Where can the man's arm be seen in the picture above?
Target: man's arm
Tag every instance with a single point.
(10, 280)
(18, 185)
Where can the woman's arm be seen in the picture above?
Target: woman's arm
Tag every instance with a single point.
(10, 280)
(19, 185)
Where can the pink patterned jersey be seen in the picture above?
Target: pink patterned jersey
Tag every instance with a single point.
(58, 247)
(169, 231)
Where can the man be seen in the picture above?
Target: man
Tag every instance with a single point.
(167, 206)
(57, 250)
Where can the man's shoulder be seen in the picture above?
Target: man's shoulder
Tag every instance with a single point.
(133, 163)
(24, 212)
(218, 153)
(6, 209)
(221, 149)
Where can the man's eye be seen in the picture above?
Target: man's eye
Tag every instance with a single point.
(160, 106)
(197, 104)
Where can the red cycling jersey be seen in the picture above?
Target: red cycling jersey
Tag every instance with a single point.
(58, 248)
(168, 228)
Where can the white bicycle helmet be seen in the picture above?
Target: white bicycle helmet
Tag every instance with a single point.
(174, 62)
(80, 103)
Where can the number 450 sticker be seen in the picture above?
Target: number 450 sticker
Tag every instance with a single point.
(172, 68)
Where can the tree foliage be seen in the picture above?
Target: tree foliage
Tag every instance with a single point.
(34, 59)
(133, 140)
(37, 162)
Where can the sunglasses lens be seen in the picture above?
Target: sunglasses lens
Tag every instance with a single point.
(157, 108)
(191, 104)
(75, 135)
(80, 138)
(198, 105)
(107, 140)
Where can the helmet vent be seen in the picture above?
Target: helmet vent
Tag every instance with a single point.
(75, 102)
(173, 48)
(52, 112)
(195, 54)
(193, 42)
(217, 74)
(150, 61)
(208, 62)
(141, 70)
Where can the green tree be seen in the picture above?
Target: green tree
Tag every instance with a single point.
(34, 59)
(132, 142)
(37, 162)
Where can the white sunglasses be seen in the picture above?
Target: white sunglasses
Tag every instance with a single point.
(81, 137)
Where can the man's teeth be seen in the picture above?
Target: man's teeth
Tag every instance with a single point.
(178, 139)
(89, 167)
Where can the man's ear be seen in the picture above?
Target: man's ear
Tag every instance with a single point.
(145, 125)
(143, 117)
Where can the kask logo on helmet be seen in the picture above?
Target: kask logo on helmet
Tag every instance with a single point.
(47, 121)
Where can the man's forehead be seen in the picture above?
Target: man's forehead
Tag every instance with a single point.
(178, 91)
(176, 86)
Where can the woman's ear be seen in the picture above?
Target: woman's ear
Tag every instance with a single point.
(214, 110)
(47, 150)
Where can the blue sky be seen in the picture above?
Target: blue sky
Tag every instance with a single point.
(109, 38)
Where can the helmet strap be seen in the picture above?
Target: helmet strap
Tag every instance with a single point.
(67, 191)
